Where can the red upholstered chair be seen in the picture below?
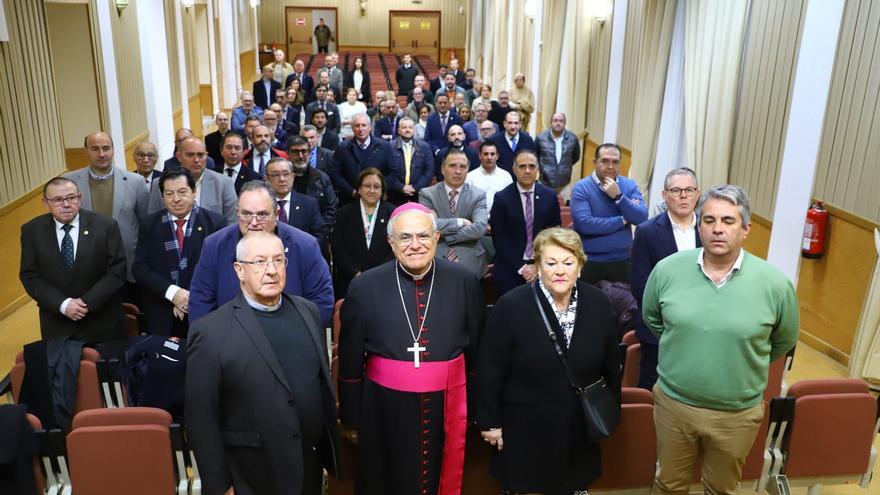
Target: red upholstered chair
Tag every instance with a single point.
(122, 450)
(629, 338)
(39, 476)
(565, 214)
(632, 366)
(832, 425)
(629, 456)
(88, 387)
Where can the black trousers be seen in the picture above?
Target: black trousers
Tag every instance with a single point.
(322, 49)
(614, 271)
(648, 365)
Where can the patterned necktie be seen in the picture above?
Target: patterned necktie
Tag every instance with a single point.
(262, 165)
(282, 215)
(407, 160)
(443, 119)
(451, 254)
(67, 247)
(530, 224)
(313, 158)
(180, 223)
(513, 144)
(230, 172)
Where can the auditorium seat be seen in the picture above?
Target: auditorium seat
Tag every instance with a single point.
(48, 477)
(831, 428)
(632, 365)
(88, 387)
(122, 450)
(629, 456)
(565, 214)
(629, 338)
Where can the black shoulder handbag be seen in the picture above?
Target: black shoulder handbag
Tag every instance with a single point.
(601, 410)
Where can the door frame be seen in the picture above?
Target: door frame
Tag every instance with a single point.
(298, 7)
(439, 13)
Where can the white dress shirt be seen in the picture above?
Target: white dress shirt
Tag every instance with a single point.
(685, 238)
(490, 182)
(172, 289)
(557, 142)
(236, 169)
(74, 235)
(735, 268)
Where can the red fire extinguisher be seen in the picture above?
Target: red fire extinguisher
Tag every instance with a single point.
(813, 244)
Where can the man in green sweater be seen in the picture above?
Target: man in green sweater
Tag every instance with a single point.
(722, 315)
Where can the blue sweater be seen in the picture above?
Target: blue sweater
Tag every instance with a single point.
(605, 225)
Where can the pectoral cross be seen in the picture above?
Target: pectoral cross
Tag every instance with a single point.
(416, 349)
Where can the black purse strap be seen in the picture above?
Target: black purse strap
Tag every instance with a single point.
(578, 390)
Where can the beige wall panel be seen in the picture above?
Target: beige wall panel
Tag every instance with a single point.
(367, 30)
(774, 29)
(246, 28)
(628, 84)
(848, 175)
(30, 98)
(73, 62)
(191, 49)
(171, 46)
(597, 87)
(128, 71)
(201, 26)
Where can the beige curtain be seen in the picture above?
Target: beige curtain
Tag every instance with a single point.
(713, 50)
(629, 78)
(574, 67)
(655, 41)
(474, 55)
(551, 51)
(865, 356)
(497, 46)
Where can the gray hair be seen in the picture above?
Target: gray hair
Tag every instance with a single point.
(413, 122)
(679, 171)
(308, 128)
(392, 221)
(259, 185)
(279, 159)
(361, 116)
(734, 195)
(241, 249)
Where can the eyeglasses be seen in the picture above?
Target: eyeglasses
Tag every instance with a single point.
(298, 151)
(260, 216)
(73, 198)
(261, 264)
(688, 192)
(141, 156)
(278, 175)
(422, 238)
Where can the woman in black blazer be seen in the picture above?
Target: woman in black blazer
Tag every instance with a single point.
(358, 241)
(526, 409)
(359, 74)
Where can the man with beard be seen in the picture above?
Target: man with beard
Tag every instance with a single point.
(455, 137)
(406, 328)
(262, 151)
(312, 181)
(413, 158)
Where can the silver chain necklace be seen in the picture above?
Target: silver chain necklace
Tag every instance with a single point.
(415, 336)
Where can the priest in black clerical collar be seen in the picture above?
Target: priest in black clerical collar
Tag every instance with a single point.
(263, 347)
(408, 328)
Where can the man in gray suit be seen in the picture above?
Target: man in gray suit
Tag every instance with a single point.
(558, 151)
(461, 214)
(214, 191)
(115, 193)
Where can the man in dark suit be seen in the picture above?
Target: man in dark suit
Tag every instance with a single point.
(511, 140)
(265, 87)
(306, 83)
(168, 250)
(406, 75)
(295, 209)
(385, 127)
(455, 141)
(314, 181)
(359, 153)
(232, 152)
(265, 347)
(439, 122)
(456, 72)
(418, 170)
(258, 156)
(318, 157)
(145, 156)
(329, 140)
(421, 82)
(213, 141)
(519, 213)
(438, 83)
(656, 238)
(73, 265)
(180, 136)
(330, 109)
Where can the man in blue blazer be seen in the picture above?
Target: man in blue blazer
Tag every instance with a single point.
(385, 126)
(215, 283)
(306, 83)
(264, 88)
(439, 122)
(421, 163)
(164, 262)
(354, 155)
(514, 257)
(511, 140)
(665, 234)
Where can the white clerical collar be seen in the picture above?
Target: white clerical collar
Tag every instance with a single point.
(262, 307)
(413, 275)
(73, 223)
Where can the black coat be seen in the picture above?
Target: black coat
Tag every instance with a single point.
(239, 404)
(348, 162)
(364, 90)
(97, 277)
(152, 265)
(245, 175)
(349, 246)
(522, 388)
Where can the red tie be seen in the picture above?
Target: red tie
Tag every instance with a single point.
(180, 222)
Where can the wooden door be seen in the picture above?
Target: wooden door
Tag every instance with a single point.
(299, 31)
(415, 32)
